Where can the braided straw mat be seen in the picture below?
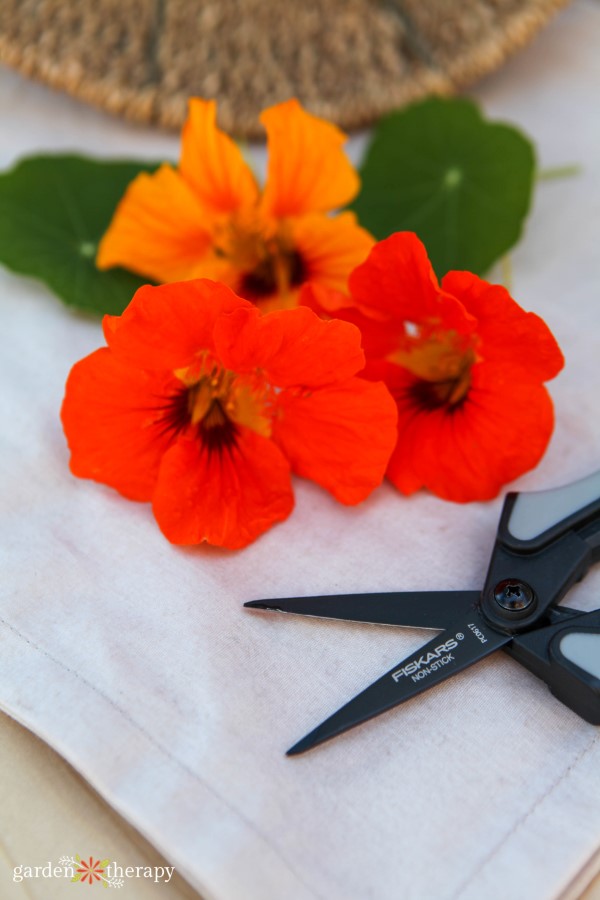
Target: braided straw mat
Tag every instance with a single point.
(347, 60)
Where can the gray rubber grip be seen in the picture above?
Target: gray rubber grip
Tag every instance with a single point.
(536, 512)
(583, 649)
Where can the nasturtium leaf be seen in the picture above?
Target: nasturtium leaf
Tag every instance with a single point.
(463, 184)
(53, 212)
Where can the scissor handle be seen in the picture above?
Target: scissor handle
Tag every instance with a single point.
(567, 657)
(547, 540)
(533, 519)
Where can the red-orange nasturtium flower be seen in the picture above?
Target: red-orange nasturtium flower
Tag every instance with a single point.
(204, 407)
(210, 219)
(465, 364)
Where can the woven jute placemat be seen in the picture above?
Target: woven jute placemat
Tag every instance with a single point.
(347, 60)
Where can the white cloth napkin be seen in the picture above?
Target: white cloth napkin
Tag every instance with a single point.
(135, 660)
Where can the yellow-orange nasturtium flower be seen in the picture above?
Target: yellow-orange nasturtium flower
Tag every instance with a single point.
(209, 218)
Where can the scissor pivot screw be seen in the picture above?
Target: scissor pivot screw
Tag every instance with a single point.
(513, 595)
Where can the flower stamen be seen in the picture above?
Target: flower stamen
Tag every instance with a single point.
(217, 401)
(264, 254)
(278, 272)
(442, 362)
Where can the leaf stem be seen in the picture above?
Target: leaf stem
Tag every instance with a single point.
(506, 272)
(559, 172)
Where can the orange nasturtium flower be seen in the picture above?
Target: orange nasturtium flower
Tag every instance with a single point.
(210, 219)
(204, 407)
(465, 364)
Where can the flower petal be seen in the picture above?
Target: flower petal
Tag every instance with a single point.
(308, 170)
(293, 347)
(212, 164)
(380, 339)
(397, 281)
(113, 416)
(330, 248)
(340, 436)
(226, 498)
(165, 327)
(509, 336)
(159, 229)
(322, 300)
(468, 453)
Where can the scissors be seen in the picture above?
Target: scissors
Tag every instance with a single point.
(546, 542)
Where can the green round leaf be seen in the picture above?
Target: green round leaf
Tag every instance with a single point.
(53, 212)
(463, 184)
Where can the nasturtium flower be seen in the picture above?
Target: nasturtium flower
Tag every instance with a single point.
(210, 219)
(464, 362)
(204, 407)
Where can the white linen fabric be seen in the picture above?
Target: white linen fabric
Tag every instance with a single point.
(135, 660)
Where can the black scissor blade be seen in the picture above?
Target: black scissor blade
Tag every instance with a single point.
(466, 642)
(413, 609)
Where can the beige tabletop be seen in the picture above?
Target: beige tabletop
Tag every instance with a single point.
(47, 809)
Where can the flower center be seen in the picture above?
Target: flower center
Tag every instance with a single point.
(264, 255)
(217, 401)
(442, 362)
(277, 273)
